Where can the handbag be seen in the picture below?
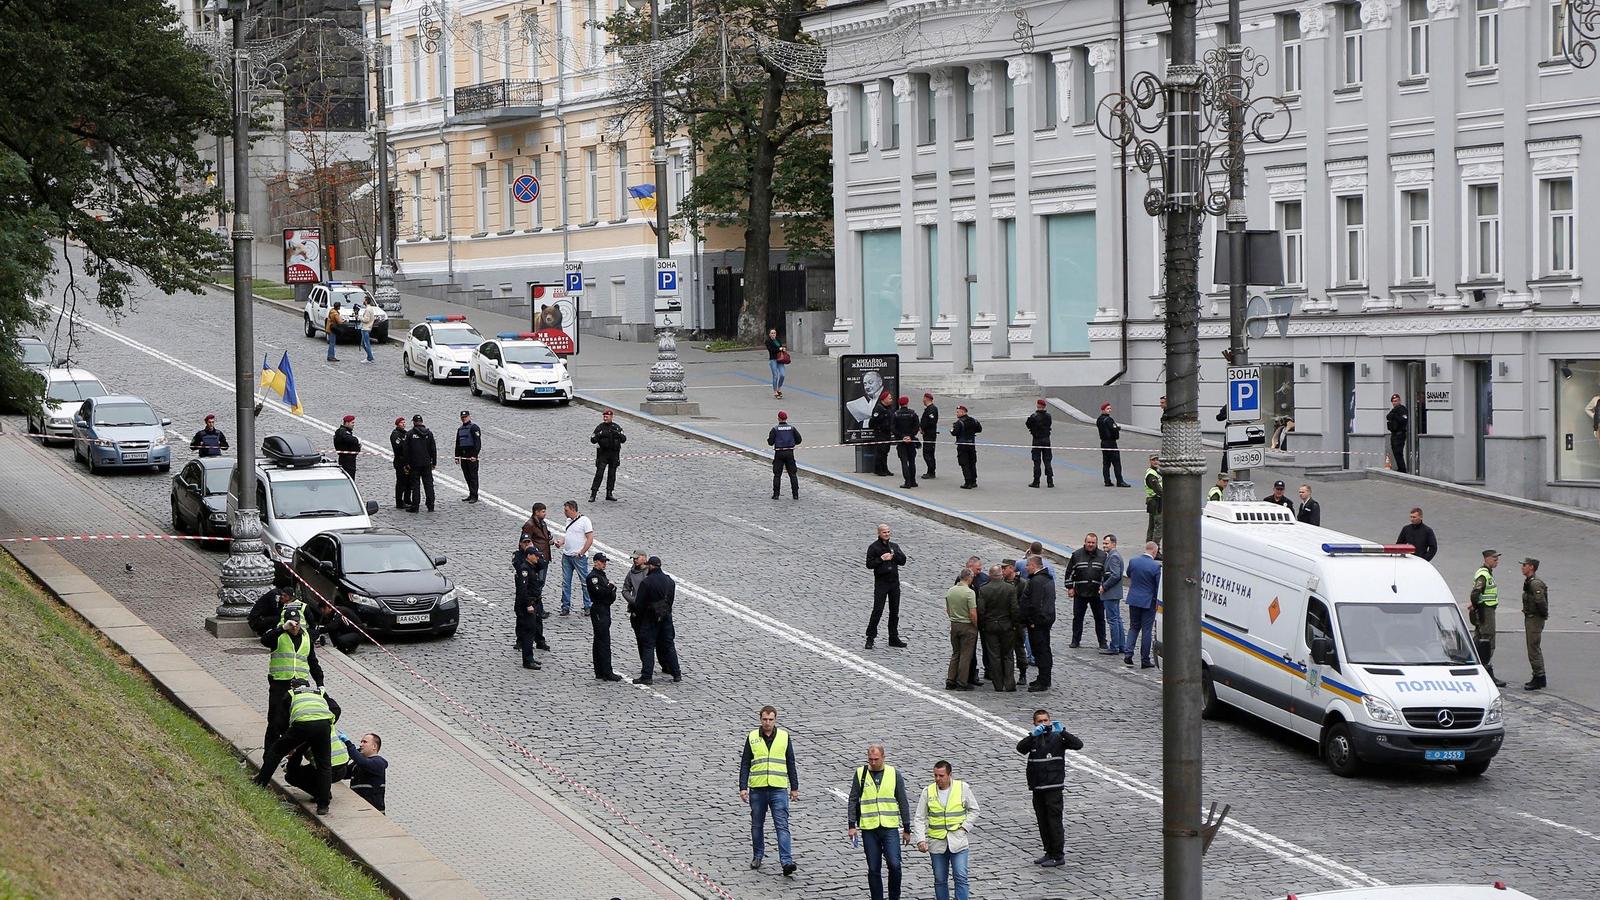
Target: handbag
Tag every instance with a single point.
(783, 357)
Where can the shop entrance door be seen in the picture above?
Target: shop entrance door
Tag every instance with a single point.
(1344, 394)
(1413, 392)
(1482, 412)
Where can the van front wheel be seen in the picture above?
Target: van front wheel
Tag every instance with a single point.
(1211, 707)
(1339, 751)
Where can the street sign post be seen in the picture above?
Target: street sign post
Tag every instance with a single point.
(666, 278)
(575, 279)
(1247, 457)
(525, 189)
(1244, 392)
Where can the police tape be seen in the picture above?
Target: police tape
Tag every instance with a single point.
(110, 537)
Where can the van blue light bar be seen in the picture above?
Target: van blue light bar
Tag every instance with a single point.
(1368, 549)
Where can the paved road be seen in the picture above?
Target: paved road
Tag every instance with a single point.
(771, 612)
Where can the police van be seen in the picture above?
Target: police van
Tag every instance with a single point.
(1360, 647)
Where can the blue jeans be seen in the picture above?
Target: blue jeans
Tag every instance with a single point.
(1141, 625)
(366, 343)
(945, 864)
(882, 845)
(777, 374)
(1027, 646)
(1119, 634)
(332, 341)
(569, 564)
(777, 800)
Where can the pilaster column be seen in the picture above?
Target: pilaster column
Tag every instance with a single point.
(1444, 64)
(952, 257)
(1022, 72)
(913, 264)
(990, 291)
(849, 316)
(1317, 73)
(1109, 249)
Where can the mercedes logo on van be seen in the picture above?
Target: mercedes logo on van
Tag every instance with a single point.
(1446, 718)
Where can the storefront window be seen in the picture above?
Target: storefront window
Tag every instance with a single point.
(1577, 384)
(1277, 403)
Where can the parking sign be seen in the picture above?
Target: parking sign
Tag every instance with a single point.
(666, 278)
(574, 279)
(1244, 391)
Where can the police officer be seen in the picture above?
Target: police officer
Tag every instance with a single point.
(294, 655)
(965, 430)
(301, 771)
(783, 438)
(657, 634)
(311, 715)
(1152, 499)
(1535, 611)
(930, 432)
(208, 440)
(347, 446)
(602, 593)
(469, 447)
(1110, 457)
(1279, 497)
(1485, 599)
(402, 478)
(422, 454)
(1220, 489)
(1039, 425)
(1046, 747)
(607, 440)
(882, 424)
(527, 563)
(1398, 421)
(268, 611)
(907, 428)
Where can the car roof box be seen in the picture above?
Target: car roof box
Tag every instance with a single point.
(290, 450)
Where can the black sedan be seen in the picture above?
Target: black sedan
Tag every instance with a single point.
(380, 578)
(200, 497)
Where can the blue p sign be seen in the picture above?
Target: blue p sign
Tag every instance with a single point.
(666, 278)
(1244, 390)
(574, 279)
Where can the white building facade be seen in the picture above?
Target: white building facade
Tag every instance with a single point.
(1427, 199)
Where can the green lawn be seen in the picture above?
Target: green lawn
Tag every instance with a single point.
(272, 290)
(108, 790)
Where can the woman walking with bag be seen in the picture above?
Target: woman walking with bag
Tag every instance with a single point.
(777, 361)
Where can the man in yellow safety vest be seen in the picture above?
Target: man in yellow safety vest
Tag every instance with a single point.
(768, 780)
(311, 716)
(940, 827)
(1485, 600)
(878, 809)
(294, 655)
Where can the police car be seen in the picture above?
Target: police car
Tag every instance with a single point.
(441, 348)
(517, 366)
(349, 295)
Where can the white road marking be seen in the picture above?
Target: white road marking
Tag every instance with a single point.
(1288, 851)
(655, 693)
(840, 794)
(1058, 512)
(474, 595)
(1561, 825)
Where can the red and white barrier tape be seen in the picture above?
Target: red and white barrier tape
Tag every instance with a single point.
(110, 537)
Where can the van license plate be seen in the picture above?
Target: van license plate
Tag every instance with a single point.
(1444, 755)
(422, 618)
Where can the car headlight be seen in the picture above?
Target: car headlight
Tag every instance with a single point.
(363, 600)
(1380, 710)
(159, 442)
(219, 517)
(1496, 713)
(448, 601)
(60, 420)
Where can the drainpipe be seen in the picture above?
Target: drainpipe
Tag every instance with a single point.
(449, 209)
(1122, 175)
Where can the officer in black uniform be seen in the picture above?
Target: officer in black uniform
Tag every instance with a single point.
(930, 432)
(965, 431)
(1039, 425)
(881, 423)
(602, 593)
(530, 625)
(422, 454)
(402, 477)
(607, 440)
(783, 438)
(347, 446)
(208, 440)
(907, 428)
(1398, 421)
(469, 446)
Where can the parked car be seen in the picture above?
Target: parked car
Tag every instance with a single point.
(301, 493)
(441, 348)
(64, 391)
(120, 431)
(349, 295)
(200, 497)
(518, 366)
(381, 578)
(34, 353)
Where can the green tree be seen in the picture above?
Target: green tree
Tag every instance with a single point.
(100, 108)
(762, 134)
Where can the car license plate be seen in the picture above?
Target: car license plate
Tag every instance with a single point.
(544, 390)
(134, 457)
(1445, 755)
(411, 619)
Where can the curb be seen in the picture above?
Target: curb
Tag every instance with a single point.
(1478, 493)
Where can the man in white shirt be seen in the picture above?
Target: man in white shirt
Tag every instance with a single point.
(369, 315)
(574, 541)
(940, 828)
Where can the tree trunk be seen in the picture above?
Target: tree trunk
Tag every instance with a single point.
(758, 221)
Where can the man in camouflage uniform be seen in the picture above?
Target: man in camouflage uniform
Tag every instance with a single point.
(1535, 611)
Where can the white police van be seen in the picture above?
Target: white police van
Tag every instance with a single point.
(1360, 647)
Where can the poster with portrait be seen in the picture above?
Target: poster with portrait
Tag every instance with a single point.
(862, 378)
(302, 255)
(555, 316)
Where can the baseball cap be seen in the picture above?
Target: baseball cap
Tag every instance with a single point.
(783, 416)
(601, 557)
(1489, 553)
(654, 561)
(905, 401)
(1278, 485)
(417, 418)
(465, 412)
(349, 419)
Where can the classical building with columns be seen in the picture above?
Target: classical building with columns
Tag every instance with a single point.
(1425, 196)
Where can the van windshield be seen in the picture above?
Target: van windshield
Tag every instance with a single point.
(1404, 634)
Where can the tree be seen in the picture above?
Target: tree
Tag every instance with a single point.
(762, 134)
(99, 113)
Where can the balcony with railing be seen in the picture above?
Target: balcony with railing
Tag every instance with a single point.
(498, 101)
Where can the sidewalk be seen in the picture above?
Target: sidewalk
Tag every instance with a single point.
(505, 834)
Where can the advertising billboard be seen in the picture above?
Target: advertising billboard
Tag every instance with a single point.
(302, 255)
(862, 378)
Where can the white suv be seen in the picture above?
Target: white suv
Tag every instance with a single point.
(349, 295)
(301, 494)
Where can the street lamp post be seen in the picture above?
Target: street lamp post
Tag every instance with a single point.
(387, 295)
(1241, 487)
(247, 573)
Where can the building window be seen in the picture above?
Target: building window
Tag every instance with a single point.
(1008, 236)
(591, 185)
(389, 75)
(441, 202)
(859, 121)
(880, 289)
(530, 39)
(680, 179)
(477, 52)
(1557, 13)
(591, 32)
(968, 113)
(1352, 230)
(1350, 24)
(416, 203)
(441, 71)
(508, 174)
(1417, 254)
(930, 242)
(1072, 292)
(538, 202)
(1417, 38)
(1484, 207)
(505, 49)
(969, 246)
(619, 184)
(1289, 24)
(1008, 103)
(1292, 226)
(928, 125)
(1083, 97)
(416, 90)
(1486, 34)
(1577, 419)
(480, 180)
(1047, 94)
(1560, 227)
(891, 115)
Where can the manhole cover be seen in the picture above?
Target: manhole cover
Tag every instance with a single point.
(247, 651)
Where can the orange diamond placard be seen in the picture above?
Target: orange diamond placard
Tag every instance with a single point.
(1273, 609)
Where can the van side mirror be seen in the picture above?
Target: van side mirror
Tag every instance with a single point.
(1321, 651)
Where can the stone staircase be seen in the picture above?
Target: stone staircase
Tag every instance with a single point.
(969, 385)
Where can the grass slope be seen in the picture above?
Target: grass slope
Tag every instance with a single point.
(108, 790)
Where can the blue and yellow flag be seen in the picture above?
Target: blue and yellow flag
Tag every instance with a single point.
(645, 196)
(280, 381)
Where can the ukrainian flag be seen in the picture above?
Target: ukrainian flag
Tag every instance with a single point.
(645, 196)
(280, 381)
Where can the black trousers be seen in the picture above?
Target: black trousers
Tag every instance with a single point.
(997, 658)
(1047, 809)
(880, 460)
(967, 459)
(402, 488)
(600, 621)
(885, 592)
(421, 477)
(317, 738)
(530, 627)
(277, 710)
(908, 462)
(605, 466)
(927, 455)
(1043, 455)
(1096, 606)
(469, 473)
(783, 461)
(657, 638)
(347, 462)
(1111, 461)
(1397, 451)
(1039, 640)
(302, 773)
